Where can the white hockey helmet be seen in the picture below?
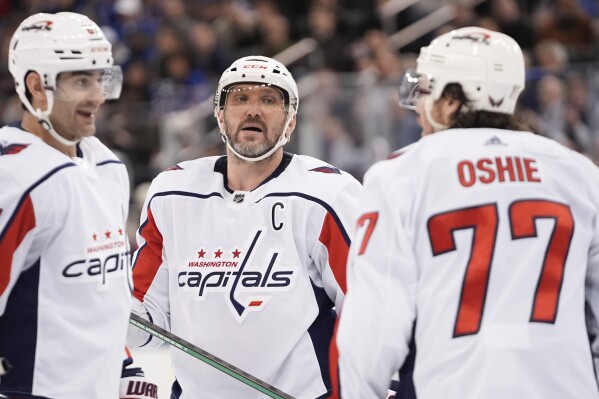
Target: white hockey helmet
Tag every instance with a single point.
(488, 65)
(64, 42)
(263, 71)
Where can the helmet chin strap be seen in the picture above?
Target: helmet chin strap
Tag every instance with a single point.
(43, 118)
(428, 106)
(283, 139)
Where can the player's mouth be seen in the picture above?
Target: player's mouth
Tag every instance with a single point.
(253, 129)
(89, 115)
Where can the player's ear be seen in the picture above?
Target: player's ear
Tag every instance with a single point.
(220, 117)
(34, 86)
(455, 105)
(451, 106)
(291, 126)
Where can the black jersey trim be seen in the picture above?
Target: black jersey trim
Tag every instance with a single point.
(19, 347)
(183, 194)
(109, 161)
(28, 191)
(318, 201)
(220, 166)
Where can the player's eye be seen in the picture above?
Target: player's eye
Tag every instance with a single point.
(270, 101)
(83, 82)
(240, 99)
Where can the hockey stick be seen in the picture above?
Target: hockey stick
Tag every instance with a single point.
(208, 358)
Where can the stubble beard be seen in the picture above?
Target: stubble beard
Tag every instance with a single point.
(66, 124)
(250, 149)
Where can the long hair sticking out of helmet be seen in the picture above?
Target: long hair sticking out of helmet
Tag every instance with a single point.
(50, 44)
(259, 70)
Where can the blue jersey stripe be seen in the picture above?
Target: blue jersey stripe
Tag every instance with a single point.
(18, 345)
(321, 331)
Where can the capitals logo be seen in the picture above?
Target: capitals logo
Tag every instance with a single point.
(475, 37)
(10, 149)
(248, 283)
(39, 26)
(107, 258)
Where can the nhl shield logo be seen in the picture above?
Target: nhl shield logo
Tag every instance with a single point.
(238, 198)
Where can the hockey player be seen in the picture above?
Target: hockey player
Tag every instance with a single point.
(479, 242)
(244, 255)
(65, 283)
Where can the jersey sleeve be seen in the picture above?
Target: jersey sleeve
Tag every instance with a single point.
(592, 281)
(17, 225)
(375, 326)
(331, 248)
(150, 275)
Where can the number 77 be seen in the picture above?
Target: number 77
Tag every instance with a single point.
(484, 220)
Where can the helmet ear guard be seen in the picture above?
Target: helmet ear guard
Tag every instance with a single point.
(489, 66)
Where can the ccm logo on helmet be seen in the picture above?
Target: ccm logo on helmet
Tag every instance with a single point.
(254, 66)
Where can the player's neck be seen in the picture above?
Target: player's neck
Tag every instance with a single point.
(31, 124)
(246, 176)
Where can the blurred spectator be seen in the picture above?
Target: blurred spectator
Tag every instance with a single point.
(510, 20)
(559, 119)
(549, 57)
(172, 50)
(376, 100)
(333, 51)
(567, 22)
(181, 86)
(136, 84)
(274, 37)
(210, 54)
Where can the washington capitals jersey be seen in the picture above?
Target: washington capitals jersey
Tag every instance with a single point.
(485, 243)
(65, 284)
(251, 277)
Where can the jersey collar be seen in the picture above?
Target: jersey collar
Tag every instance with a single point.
(220, 166)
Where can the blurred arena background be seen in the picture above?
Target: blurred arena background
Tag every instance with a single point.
(347, 57)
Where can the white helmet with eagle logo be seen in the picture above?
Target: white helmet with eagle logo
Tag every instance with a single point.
(488, 65)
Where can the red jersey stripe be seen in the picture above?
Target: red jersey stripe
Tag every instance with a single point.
(334, 365)
(149, 258)
(332, 238)
(22, 223)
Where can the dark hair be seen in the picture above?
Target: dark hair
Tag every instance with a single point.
(472, 119)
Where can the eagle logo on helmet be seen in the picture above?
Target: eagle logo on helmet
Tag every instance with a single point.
(496, 103)
(38, 26)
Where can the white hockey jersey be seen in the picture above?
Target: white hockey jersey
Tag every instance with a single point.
(251, 277)
(485, 240)
(65, 284)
